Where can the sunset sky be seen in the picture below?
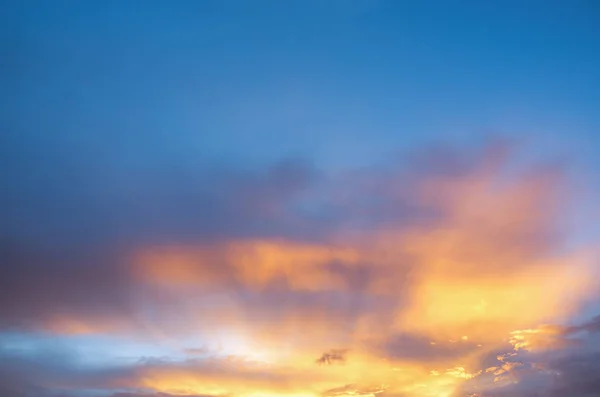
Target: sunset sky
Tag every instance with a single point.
(300, 198)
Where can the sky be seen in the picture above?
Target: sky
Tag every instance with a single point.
(300, 198)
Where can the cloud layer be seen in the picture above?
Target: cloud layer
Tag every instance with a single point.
(451, 273)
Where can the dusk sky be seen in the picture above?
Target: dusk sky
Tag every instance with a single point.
(300, 198)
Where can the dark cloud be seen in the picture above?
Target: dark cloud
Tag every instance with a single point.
(37, 285)
(60, 188)
(66, 203)
(592, 326)
(334, 356)
(577, 376)
(560, 369)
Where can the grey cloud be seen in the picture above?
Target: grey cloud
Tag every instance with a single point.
(66, 202)
(36, 284)
(422, 349)
(334, 356)
(592, 327)
(569, 369)
(578, 376)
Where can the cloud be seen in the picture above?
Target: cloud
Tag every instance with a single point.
(120, 394)
(550, 360)
(334, 356)
(353, 390)
(57, 289)
(428, 270)
(83, 199)
(592, 326)
(578, 376)
(420, 348)
(65, 246)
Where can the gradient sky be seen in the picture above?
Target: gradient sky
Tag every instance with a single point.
(300, 198)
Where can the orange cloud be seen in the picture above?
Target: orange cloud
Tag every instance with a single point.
(466, 281)
(255, 264)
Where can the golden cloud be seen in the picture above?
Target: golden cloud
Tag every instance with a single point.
(471, 280)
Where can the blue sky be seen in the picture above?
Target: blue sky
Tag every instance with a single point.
(168, 167)
(343, 82)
